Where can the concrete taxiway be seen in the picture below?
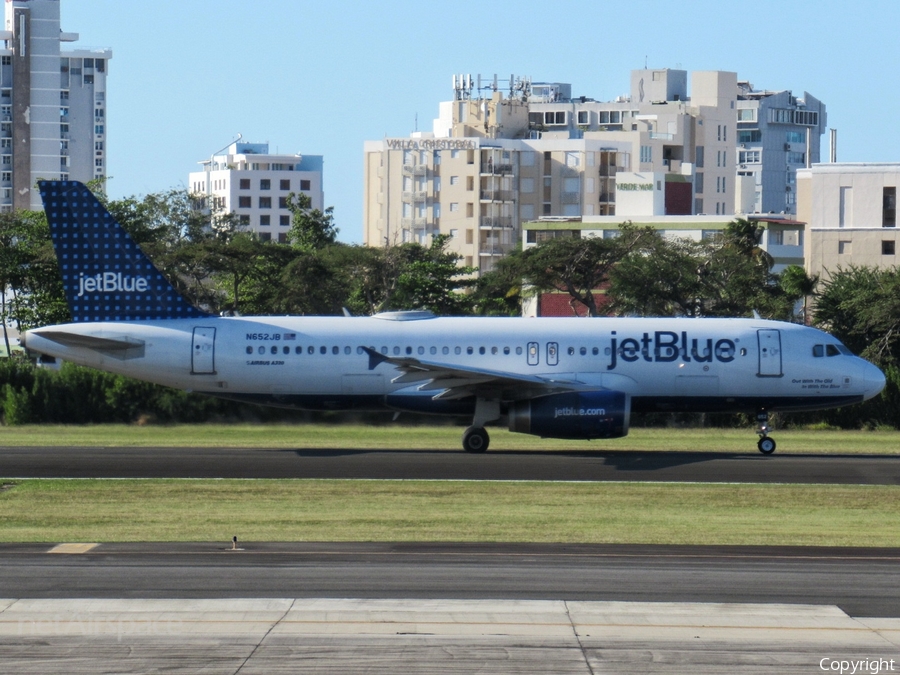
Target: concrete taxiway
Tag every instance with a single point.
(285, 635)
(750, 467)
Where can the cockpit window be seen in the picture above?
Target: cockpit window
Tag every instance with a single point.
(831, 350)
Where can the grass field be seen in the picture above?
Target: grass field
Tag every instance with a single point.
(338, 510)
(344, 510)
(401, 437)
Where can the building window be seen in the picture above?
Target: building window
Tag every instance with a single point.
(265, 221)
(285, 184)
(796, 158)
(844, 248)
(244, 221)
(454, 180)
(244, 202)
(748, 157)
(305, 185)
(888, 247)
(265, 236)
(265, 202)
(582, 118)
(646, 153)
(746, 114)
(98, 129)
(749, 136)
(282, 202)
(245, 184)
(284, 221)
(265, 184)
(889, 207)
(98, 113)
(454, 207)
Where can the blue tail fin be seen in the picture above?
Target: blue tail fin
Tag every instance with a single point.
(105, 274)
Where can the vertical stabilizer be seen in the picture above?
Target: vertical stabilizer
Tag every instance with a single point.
(105, 274)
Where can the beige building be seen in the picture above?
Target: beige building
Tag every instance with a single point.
(851, 211)
(494, 162)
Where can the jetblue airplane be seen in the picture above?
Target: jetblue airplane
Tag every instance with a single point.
(555, 378)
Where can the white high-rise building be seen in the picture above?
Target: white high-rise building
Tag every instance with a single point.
(52, 104)
(246, 180)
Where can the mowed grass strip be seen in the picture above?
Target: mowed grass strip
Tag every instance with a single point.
(400, 437)
(344, 510)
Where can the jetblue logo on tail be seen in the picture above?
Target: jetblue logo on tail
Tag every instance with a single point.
(111, 282)
(105, 274)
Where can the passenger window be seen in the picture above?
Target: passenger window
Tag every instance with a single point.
(311, 349)
(493, 350)
(457, 350)
(583, 351)
(360, 350)
(298, 350)
(262, 350)
(323, 349)
(518, 351)
(421, 350)
(445, 350)
(384, 350)
(286, 349)
(347, 350)
(408, 350)
(571, 351)
(396, 351)
(249, 349)
(433, 351)
(481, 350)
(335, 350)
(506, 351)
(818, 350)
(595, 351)
(469, 351)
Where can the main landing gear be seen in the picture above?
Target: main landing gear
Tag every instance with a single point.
(766, 444)
(475, 438)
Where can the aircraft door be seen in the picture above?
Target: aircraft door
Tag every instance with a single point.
(552, 353)
(769, 352)
(203, 351)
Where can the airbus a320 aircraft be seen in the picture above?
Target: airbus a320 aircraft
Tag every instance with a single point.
(555, 378)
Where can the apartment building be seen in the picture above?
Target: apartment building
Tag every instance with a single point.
(53, 106)
(851, 211)
(495, 161)
(777, 134)
(503, 153)
(245, 179)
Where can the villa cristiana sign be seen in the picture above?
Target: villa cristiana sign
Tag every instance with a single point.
(430, 144)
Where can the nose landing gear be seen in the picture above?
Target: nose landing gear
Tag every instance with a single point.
(766, 445)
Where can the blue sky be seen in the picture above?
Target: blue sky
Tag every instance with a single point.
(323, 77)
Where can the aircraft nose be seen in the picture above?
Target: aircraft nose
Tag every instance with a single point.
(874, 380)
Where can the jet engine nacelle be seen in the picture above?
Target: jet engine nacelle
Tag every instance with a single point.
(589, 414)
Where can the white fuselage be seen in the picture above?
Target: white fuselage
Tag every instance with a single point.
(319, 363)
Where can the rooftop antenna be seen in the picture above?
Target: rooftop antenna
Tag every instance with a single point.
(645, 62)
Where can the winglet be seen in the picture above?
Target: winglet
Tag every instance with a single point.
(375, 359)
(105, 274)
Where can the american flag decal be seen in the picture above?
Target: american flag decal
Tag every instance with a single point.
(290, 336)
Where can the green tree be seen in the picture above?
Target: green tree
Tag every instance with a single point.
(311, 229)
(579, 267)
(798, 285)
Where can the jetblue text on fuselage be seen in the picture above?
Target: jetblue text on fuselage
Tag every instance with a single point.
(665, 346)
(111, 282)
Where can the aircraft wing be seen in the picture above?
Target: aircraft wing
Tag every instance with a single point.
(453, 382)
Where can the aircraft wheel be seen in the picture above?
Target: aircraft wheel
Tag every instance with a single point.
(766, 445)
(475, 439)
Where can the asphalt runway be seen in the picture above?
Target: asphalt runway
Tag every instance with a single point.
(444, 607)
(862, 582)
(751, 467)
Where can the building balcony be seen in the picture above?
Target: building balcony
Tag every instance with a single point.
(415, 196)
(414, 223)
(498, 196)
(415, 170)
(490, 169)
(495, 250)
(497, 222)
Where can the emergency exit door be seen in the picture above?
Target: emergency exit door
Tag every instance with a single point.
(203, 351)
(769, 352)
